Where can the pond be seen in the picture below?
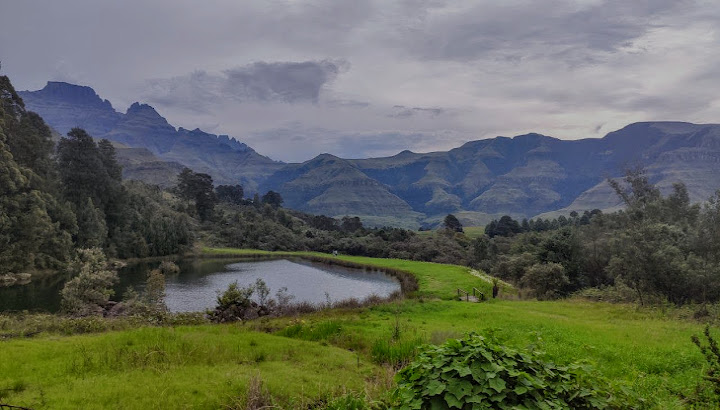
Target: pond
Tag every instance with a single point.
(195, 287)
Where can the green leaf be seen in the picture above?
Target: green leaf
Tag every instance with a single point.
(460, 388)
(434, 388)
(452, 401)
(497, 384)
(519, 390)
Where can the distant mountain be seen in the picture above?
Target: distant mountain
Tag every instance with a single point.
(334, 186)
(64, 106)
(523, 176)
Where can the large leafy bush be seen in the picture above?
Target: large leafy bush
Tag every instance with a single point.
(479, 373)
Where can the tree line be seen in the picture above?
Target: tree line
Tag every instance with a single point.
(659, 248)
(56, 198)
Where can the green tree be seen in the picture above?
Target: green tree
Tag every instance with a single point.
(198, 187)
(547, 280)
(35, 228)
(351, 224)
(273, 199)
(90, 289)
(92, 230)
(232, 194)
(81, 169)
(452, 223)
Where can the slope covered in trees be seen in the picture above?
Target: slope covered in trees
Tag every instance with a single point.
(53, 201)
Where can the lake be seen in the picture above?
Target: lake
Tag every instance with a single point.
(195, 287)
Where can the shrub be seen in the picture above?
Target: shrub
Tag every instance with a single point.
(169, 268)
(475, 372)
(89, 291)
(547, 280)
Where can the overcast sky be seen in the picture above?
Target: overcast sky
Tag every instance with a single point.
(360, 78)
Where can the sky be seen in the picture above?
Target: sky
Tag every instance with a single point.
(362, 78)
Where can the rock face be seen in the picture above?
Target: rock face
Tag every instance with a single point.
(64, 106)
(525, 175)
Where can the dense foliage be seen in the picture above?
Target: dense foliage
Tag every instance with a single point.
(90, 289)
(660, 247)
(53, 201)
(479, 373)
(276, 229)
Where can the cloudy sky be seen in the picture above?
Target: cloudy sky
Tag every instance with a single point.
(364, 78)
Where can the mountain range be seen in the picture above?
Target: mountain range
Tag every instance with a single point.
(523, 176)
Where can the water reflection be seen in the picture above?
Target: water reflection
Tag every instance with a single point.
(195, 287)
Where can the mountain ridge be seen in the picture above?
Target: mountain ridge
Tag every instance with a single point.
(525, 175)
(64, 106)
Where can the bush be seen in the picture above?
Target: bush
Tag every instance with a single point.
(89, 291)
(476, 372)
(169, 268)
(547, 280)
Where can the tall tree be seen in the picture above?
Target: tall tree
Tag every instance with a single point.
(35, 228)
(451, 222)
(232, 194)
(198, 187)
(272, 198)
(82, 170)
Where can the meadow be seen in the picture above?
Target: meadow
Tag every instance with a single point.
(306, 360)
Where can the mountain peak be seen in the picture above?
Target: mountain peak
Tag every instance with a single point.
(72, 93)
(142, 109)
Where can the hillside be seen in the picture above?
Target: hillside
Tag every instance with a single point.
(64, 106)
(522, 176)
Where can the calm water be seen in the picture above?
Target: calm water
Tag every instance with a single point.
(195, 287)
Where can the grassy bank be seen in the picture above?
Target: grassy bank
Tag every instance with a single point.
(434, 279)
(305, 359)
(184, 367)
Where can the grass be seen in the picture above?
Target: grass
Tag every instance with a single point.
(333, 353)
(645, 351)
(184, 367)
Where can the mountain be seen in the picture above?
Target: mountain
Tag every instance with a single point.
(523, 176)
(334, 186)
(64, 106)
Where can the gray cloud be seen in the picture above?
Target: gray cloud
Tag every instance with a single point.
(456, 71)
(516, 31)
(287, 82)
(400, 111)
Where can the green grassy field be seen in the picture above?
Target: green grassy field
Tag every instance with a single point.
(305, 359)
(184, 367)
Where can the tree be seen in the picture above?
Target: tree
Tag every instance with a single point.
(35, 228)
(82, 171)
(90, 289)
(92, 230)
(198, 187)
(547, 280)
(351, 224)
(232, 194)
(505, 226)
(272, 198)
(108, 158)
(452, 223)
